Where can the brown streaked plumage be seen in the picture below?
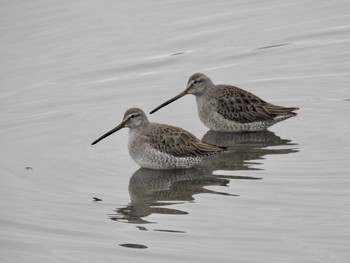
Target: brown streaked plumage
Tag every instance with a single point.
(161, 146)
(229, 108)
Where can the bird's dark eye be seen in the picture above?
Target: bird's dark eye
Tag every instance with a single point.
(195, 82)
(132, 116)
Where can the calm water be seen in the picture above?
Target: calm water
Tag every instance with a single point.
(69, 70)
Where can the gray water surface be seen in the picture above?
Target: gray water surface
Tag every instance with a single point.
(69, 70)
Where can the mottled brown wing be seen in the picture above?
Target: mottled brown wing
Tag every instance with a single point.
(178, 142)
(241, 106)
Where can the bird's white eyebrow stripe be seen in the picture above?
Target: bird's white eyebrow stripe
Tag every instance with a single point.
(133, 114)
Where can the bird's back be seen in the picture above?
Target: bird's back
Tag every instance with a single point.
(242, 106)
(178, 142)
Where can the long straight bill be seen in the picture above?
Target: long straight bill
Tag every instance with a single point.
(120, 126)
(169, 101)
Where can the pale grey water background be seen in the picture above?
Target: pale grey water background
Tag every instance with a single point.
(69, 70)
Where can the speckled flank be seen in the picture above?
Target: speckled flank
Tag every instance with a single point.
(216, 122)
(151, 158)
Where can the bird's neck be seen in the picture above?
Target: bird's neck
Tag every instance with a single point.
(207, 92)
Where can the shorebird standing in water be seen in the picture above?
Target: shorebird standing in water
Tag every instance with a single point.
(161, 146)
(229, 109)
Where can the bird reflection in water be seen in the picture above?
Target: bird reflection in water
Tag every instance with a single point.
(245, 149)
(155, 191)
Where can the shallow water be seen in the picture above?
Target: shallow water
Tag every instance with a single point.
(70, 70)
